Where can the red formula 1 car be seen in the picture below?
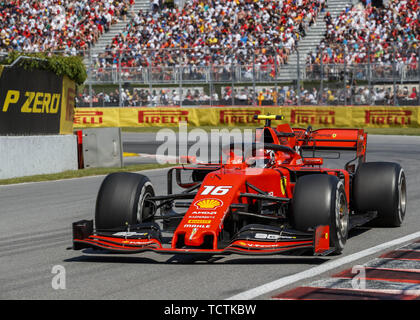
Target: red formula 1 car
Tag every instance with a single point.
(265, 199)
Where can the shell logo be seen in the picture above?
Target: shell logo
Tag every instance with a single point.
(208, 203)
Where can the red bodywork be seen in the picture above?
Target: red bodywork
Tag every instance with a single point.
(236, 183)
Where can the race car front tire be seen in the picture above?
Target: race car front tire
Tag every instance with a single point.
(381, 187)
(122, 200)
(320, 199)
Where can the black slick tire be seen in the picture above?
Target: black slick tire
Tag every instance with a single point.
(381, 187)
(320, 199)
(122, 200)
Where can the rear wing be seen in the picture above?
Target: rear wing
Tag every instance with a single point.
(333, 139)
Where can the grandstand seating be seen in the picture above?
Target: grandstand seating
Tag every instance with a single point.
(224, 41)
(213, 32)
(57, 25)
(363, 34)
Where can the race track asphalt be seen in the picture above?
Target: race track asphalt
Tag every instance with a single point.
(35, 231)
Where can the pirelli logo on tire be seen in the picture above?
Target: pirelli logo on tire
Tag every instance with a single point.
(35, 102)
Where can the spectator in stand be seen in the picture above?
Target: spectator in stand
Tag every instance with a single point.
(377, 35)
(56, 25)
(218, 33)
(358, 95)
(413, 94)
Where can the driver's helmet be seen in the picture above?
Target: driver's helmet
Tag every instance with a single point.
(263, 159)
(269, 158)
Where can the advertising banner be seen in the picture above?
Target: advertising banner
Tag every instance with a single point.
(67, 106)
(35, 102)
(96, 117)
(318, 117)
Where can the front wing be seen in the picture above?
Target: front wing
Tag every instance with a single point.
(126, 243)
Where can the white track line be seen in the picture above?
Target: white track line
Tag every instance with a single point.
(330, 265)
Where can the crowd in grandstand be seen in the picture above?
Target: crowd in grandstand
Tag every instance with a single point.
(57, 25)
(224, 41)
(379, 35)
(282, 95)
(206, 32)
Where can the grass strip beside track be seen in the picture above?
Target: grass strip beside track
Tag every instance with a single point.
(385, 131)
(101, 171)
(71, 174)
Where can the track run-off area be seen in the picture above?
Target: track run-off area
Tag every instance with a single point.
(35, 232)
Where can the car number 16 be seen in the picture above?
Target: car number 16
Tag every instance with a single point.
(216, 191)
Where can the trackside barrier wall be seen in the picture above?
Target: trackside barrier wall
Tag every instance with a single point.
(102, 147)
(337, 116)
(30, 155)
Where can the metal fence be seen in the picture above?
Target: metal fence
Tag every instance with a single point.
(335, 84)
(240, 79)
(400, 73)
(251, 76)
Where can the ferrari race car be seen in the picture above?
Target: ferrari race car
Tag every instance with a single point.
(267, 198)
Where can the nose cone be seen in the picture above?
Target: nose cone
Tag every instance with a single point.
(196, 237)
(198, 228)
(205, 216)
(193, 237)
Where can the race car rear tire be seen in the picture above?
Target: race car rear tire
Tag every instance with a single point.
(122, 200)
(320, 199)
(381, 187)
